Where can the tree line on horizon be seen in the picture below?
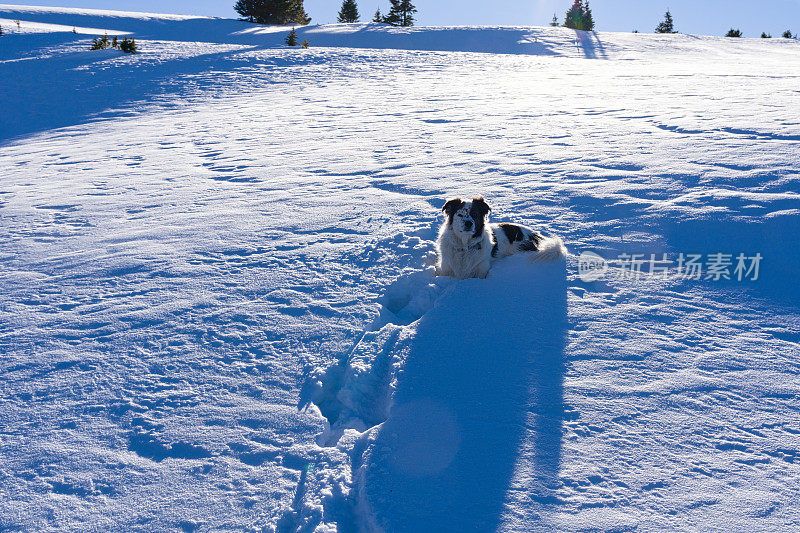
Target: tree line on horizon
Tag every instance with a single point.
(401, 12)
(668, 26)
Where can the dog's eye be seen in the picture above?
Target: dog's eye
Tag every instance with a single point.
(460, 215)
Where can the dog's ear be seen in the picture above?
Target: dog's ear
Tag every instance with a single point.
(452, 206)
(480, 205)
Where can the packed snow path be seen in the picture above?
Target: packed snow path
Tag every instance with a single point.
(199, 244)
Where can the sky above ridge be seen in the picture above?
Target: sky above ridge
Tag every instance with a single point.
(706, 17)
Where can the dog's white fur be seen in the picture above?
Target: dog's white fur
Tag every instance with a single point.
(467, 241)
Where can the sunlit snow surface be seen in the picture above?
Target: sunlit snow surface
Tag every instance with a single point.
(213, 259)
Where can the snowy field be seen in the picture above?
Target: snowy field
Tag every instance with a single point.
(217, 314)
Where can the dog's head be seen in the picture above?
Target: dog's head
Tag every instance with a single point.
(467, 218)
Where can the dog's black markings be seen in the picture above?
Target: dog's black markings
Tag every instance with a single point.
(512, 231)
(451, 207)
(528, 246)
(478, 213)
(514, 234)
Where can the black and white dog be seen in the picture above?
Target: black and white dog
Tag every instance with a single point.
(468, 244)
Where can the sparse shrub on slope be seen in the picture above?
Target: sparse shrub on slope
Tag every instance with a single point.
(291, 39)
(787, 34)
(128, 45)
(734, 33)
(765, 35)
(100, 43)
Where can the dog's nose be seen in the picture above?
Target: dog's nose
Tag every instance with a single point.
(467, 223)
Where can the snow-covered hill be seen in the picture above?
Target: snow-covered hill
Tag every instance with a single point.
(216, 311)
(500, 39)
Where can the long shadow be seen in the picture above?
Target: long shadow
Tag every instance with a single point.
(170, 28)
(590, 44)
(74, 88)
(58, 90)
(484, 361)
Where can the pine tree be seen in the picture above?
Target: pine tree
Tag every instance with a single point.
(1, 31)
(296, 13)
(291, 39)
(574, 17)
(247, 9)
(305, 43)
(765, 35)
(407, 11)
(734, 33)
(588, 19)
(394, 17)
(787, 34)
(667, 26)
(114, 42)
(378, 17)
(349, 11)
(273, 11)
(579, 17)
(554, 22)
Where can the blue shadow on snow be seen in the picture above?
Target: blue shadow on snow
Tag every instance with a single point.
(483, 377)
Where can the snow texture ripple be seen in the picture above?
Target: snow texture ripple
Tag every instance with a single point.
(216, 311)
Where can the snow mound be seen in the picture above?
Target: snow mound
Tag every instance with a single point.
(410, 297)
